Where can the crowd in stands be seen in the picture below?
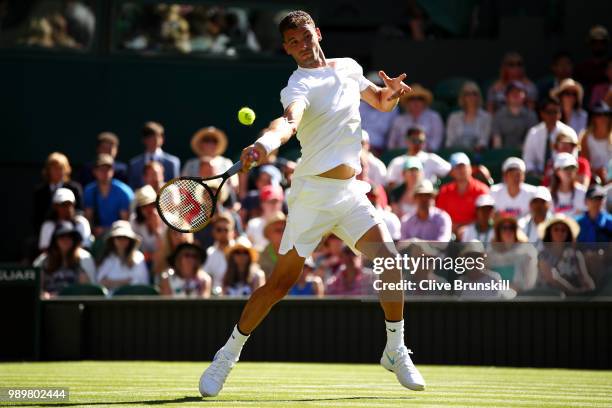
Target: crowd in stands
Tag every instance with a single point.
(522, 175)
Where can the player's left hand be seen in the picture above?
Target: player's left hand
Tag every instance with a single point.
(394, 87)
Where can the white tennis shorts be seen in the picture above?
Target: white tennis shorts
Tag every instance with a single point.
(320, 205)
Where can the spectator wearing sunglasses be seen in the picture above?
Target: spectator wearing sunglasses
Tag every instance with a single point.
(208, 144)
(434, 167)
(243, 275)
(223, 233)
(470, 127)
(273, 232)
(512, 69)
(596, 222)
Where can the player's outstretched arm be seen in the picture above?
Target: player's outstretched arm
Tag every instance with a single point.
(276, 134)
(386, 98)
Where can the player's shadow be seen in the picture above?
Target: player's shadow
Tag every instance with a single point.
(206, 401)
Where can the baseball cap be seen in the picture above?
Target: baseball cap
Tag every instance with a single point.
(459, 158)
(513, 163)
(104, 160)
(412, 162)
(425, 187)
(515, 85)
(273, 172)
(485, 200)
(63, 195)
(564, 160)
(542, 193)
(272, 192)
(568, 136)
(596, 191)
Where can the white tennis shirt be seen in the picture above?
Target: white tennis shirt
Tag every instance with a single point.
(330, 129)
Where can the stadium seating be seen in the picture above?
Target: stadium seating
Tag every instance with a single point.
(448, 89)
(136, 290)
(84, 290)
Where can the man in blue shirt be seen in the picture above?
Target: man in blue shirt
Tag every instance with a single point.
(106, 199)
(153, 140)
(595, 223)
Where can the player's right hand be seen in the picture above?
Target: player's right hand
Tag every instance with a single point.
(251, 156)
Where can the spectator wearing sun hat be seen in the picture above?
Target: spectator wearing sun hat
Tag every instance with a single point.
(146, 222)
(121, 262)
(273, 232)
(458, 197)
(208, 142)
(243, 275)
(63, 209)
(428, 222)
(434, 167)
(513, 194)
(562, 265)
(570, 94)
(415, 105)
(596, 222)
(482, 227)
(185, 276)
(512, 121)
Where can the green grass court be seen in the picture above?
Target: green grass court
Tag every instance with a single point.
(140, 384)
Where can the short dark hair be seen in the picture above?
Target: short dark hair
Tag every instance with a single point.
(559, 55)
(543, 104)
(294, 19)
(151, 129)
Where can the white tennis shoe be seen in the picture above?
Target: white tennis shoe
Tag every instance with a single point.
(399, 362)
(213, 378)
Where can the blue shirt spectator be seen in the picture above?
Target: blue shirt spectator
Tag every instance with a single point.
(595, 223)
(153, 139)
(106, 199)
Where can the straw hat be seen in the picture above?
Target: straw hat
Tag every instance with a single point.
(123, 228)
(563, 219)
(419, 91)
(209, 131)
(279, 216)
(145, 195)
(243, 243)
(568, 85)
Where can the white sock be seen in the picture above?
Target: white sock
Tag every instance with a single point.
(235, 343)
(395, 334)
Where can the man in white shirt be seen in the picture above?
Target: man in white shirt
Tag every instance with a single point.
(539, 212)
(377, 171)
(512, 197)
(538, 144)
(216, 263)
(321, 104)
(434, 167)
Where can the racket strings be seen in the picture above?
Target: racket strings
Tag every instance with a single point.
(186, 205)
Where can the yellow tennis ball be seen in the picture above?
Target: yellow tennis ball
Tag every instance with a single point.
(246, 116)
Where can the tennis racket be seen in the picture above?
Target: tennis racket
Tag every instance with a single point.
(187, 204)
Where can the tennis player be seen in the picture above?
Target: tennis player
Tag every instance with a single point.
(321, 103)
